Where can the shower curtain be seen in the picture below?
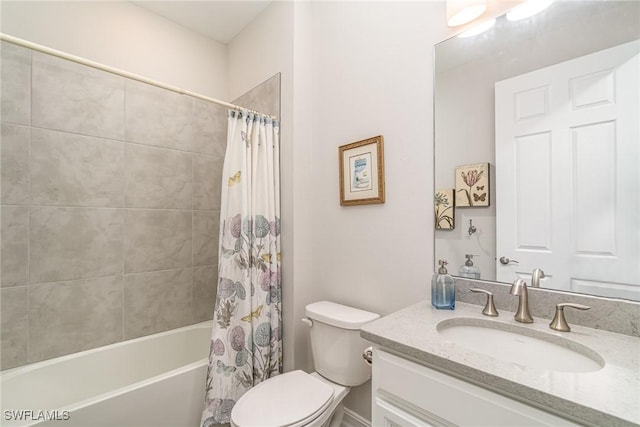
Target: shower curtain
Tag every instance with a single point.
(246, 342)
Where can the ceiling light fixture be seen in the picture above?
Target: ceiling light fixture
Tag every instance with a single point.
(527, 9)
(478, 29)
(460, 12)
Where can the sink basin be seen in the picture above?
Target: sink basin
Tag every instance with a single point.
(521, 345)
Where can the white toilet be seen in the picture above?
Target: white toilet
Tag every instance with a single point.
(297, 399)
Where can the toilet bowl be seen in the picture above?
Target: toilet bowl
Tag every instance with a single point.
(296, 398)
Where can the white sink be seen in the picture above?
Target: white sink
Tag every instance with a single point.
(520, 345)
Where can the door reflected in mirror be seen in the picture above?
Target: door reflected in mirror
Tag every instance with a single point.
(552, 103)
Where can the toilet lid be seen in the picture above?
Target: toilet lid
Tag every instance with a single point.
(283, 400)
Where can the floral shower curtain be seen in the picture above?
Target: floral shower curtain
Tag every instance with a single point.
(246, 342)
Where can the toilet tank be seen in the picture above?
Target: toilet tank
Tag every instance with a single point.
(336, 344)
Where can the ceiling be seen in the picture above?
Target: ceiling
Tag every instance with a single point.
(220, 20)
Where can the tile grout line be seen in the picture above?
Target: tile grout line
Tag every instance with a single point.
(28, 316)
(193, 271)
(27, 205)
(124, 211)
(114, 275)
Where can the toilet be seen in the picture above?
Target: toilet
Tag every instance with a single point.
(297, 399)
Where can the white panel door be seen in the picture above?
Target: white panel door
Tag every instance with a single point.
(567, 173)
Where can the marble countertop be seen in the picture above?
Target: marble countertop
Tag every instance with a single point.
(609, 396)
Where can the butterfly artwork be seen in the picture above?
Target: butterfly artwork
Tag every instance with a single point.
(235, 179)
(479, 198)
(221, 368)
(267, 257)
(472, 185)
(253, 315)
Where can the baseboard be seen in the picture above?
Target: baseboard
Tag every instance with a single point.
(352, 419)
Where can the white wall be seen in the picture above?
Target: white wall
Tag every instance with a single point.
(302, 167)
(372, 74)
(125, 36)
(262, 49)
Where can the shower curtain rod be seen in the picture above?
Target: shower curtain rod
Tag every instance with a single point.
(116, 71)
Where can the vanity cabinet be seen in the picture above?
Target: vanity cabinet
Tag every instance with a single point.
(409, 394)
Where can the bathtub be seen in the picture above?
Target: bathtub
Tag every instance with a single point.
(157, 380)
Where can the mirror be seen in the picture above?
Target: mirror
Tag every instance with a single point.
(551, 104)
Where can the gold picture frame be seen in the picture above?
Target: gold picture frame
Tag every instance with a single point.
(362, 172)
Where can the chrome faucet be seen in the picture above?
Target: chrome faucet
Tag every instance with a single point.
(536, 276)
(519, 288)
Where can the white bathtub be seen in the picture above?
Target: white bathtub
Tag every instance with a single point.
(157, 380)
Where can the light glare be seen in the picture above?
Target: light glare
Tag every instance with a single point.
(478, 29)
(527, 9)
(467, 14)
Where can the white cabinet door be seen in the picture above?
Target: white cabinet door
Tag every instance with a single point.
(567, 174)
(388, 414)
(405, 393)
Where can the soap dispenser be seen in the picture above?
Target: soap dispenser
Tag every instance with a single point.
(443, 291)
(468, 269)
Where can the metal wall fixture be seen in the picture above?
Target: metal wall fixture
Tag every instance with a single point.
(472, 228)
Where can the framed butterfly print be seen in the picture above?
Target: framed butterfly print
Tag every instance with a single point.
(472, 185)
(362, 172)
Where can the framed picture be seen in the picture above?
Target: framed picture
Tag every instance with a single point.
(472, 185)
(362, 172)
(445, 208)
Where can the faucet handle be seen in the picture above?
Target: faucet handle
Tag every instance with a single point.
(489, 307)
(559, 323)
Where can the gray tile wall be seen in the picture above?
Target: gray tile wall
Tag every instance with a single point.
(264, 98)
(110, 199)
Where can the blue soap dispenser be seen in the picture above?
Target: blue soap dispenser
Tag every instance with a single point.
(443, 288)
(468, 269)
